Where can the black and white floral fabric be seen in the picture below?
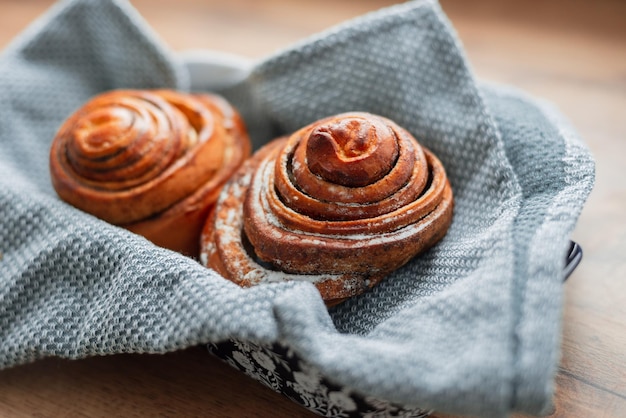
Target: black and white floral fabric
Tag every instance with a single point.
(279, 368)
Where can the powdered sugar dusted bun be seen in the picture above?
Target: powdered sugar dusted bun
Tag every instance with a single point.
(340, 203)
(151, 161)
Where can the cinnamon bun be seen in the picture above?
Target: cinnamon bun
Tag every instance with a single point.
(151, 161)
(341, 203)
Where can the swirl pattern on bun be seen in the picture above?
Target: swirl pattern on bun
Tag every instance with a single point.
(341, 203)
(152, 161)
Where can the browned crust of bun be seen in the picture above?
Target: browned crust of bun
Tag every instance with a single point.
(384, 199)
(151, 161)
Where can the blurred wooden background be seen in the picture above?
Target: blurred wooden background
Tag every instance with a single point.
(571, 52)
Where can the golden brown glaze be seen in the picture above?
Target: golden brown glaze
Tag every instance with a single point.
(152, 161)
(341, 203)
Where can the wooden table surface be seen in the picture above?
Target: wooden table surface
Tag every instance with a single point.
(570, 52)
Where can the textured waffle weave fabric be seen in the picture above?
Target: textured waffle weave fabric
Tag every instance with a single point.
(472, 326)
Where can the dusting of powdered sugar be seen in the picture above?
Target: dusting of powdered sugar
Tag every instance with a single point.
(204, 254)
(263, 185)
(230, 225)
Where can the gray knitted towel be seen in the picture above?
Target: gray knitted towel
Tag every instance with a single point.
(472, 326)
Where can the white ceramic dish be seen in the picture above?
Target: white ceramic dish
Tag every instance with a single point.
(213, 70)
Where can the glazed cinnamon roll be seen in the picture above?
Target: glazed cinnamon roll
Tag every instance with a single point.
(340, 203)
(152, 161)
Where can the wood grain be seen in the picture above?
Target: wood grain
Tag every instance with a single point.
(186, 383)
(572, 53)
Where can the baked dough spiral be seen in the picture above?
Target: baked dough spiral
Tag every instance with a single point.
(151, 161)
(340, 203)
